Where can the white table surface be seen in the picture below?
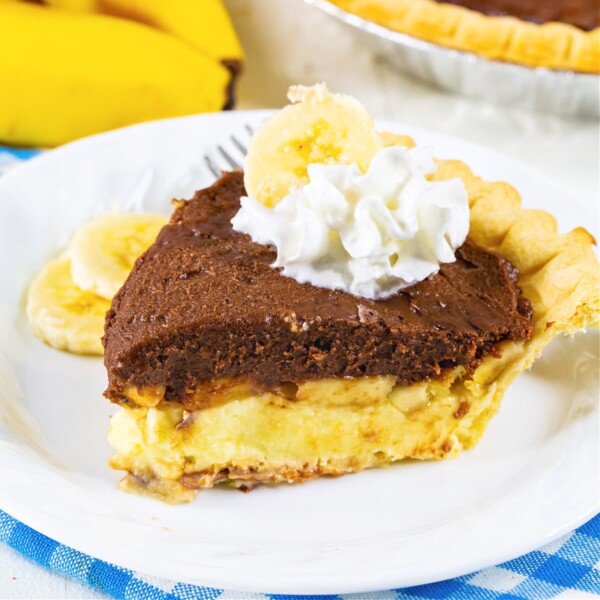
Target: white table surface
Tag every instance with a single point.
(287, 42)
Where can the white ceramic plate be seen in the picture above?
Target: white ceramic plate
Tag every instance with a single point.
(534, 476)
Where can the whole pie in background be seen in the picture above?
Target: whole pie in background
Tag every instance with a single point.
(557, 34)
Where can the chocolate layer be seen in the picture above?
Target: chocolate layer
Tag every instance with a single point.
(584, 14)
(204, 303)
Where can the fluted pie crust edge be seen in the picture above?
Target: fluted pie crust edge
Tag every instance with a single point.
(553, 45)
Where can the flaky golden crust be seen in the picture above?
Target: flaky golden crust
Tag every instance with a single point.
(552, 45)
(558, 273)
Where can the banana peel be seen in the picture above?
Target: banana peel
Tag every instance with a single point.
(67, 75)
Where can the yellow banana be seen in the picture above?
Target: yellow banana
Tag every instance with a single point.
(66, 75)
(204, 24)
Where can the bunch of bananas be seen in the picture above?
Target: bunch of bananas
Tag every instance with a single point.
(68, 299)
(70, 68)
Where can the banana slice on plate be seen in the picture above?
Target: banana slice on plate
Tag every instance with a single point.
(103, 251)
(319, 127)
(63, 315)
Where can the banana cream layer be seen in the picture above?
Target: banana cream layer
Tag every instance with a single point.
(170, 452)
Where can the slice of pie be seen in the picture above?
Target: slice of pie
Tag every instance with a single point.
(227, 370)
(559, 34)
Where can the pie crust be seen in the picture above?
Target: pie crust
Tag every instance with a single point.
(554, 45)
(171, 453)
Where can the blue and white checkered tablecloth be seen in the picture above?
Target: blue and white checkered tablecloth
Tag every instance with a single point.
(568, 567)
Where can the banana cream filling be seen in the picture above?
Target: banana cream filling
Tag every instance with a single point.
(331, 428)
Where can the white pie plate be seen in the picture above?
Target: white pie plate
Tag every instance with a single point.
(534, 476)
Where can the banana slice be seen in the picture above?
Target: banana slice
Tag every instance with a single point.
(61, 314)
(319, 127)
(103, 252)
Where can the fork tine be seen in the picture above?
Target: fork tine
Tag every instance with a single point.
(213, 163)
(239, 145)
(214, 169)
(232, 162)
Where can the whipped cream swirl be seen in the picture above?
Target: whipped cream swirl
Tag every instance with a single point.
(370, 235)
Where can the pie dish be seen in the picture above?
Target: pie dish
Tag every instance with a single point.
(562, 34)
(229, 372)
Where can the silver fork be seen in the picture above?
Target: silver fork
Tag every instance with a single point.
(227, 155)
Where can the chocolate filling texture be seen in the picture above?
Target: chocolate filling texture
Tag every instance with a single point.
(204, 304)
(584, 14)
